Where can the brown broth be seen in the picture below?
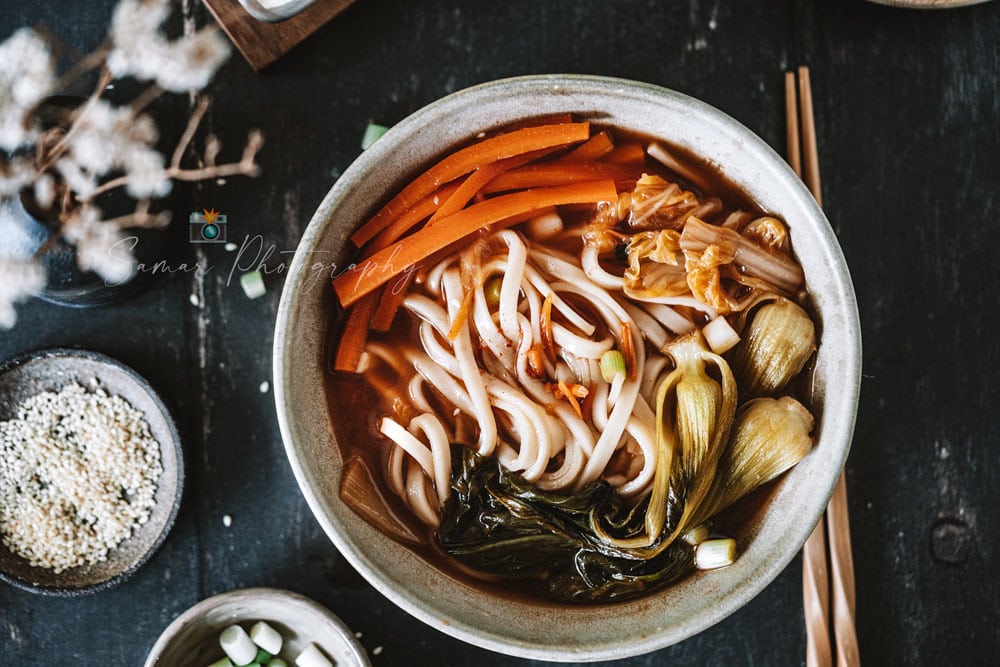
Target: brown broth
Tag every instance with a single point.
(355, 407)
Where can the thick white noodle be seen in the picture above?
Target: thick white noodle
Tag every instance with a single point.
(396, 481)
(433, 430)
(543, 287)
(669, 318)
(417, 396)
(689, 301)
(416, 496)
(420, 452)
(468, 366)
(648, 326)
(592, 267)
(651, 375)
(510, 287)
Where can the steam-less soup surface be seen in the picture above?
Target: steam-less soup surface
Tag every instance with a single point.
(561, 352)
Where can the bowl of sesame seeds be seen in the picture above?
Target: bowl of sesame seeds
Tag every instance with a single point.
(91, 472)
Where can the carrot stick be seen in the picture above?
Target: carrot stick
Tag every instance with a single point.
(389, 303)
(630, 154)
(354, 336)
(463, 161)
(457, 196)
(479, 178)
(420, 211)
(594, 148)
(403, 255)
(556, 172)
(535, 121)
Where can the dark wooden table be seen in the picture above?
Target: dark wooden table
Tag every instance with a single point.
(908, 109)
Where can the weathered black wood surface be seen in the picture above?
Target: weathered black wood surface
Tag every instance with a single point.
(908, 109)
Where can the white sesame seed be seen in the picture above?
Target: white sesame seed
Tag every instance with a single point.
(78, 471)
(265, 386)
(227, 521)
(231, 247)
(195, 301)
(377, 650)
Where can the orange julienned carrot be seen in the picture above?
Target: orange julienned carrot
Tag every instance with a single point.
(390, 301)
(410, 218)
(632, 154)
(355, 334)
(556, 172)
(457, 196)
(479, 178)
(594, 148)
(383, 266)
(465, 160)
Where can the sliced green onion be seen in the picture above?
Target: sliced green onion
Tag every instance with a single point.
(222, 662)
(696, 535)
(266, 637)
(277, 662)
(262, 656)
(236, 643)
(492, 290)
(311, 657)
(372, 134)
(712, 554)
(720, 335)
(253, 284)
(612, 364)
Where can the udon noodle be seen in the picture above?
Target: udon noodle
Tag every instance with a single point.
(571, 391)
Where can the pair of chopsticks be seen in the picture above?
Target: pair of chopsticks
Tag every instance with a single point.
(819, 574)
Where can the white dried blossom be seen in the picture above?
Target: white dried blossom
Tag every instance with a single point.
(146, 175)
(45, 190)
(19, 280)
(191, 61)
(79, 180)
(139, 49)
(15, 175)
(26, 77)
(100, 247)
(113, 138)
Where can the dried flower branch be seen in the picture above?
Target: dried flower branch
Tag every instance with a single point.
(63, 169)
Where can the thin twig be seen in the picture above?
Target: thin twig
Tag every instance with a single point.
(140, 217)
(60, 147)
(192, 126)
(145, 98)
(247, 166)
(92, 60)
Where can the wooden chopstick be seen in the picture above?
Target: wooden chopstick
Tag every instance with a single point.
(803, 156)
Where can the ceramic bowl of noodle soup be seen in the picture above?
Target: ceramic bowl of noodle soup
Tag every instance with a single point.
(567, 367)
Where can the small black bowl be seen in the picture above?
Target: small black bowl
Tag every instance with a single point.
(51, 370)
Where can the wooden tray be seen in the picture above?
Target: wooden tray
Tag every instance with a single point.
(263, 43)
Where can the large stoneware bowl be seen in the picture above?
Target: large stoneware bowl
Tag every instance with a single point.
(768, 539)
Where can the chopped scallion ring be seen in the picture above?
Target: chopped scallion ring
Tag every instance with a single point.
(372, 134)
(253, 285)
(612, 363)
(712, 554)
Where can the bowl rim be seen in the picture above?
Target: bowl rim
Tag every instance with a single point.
(294, 599)
(103, 359)
(845, 418)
